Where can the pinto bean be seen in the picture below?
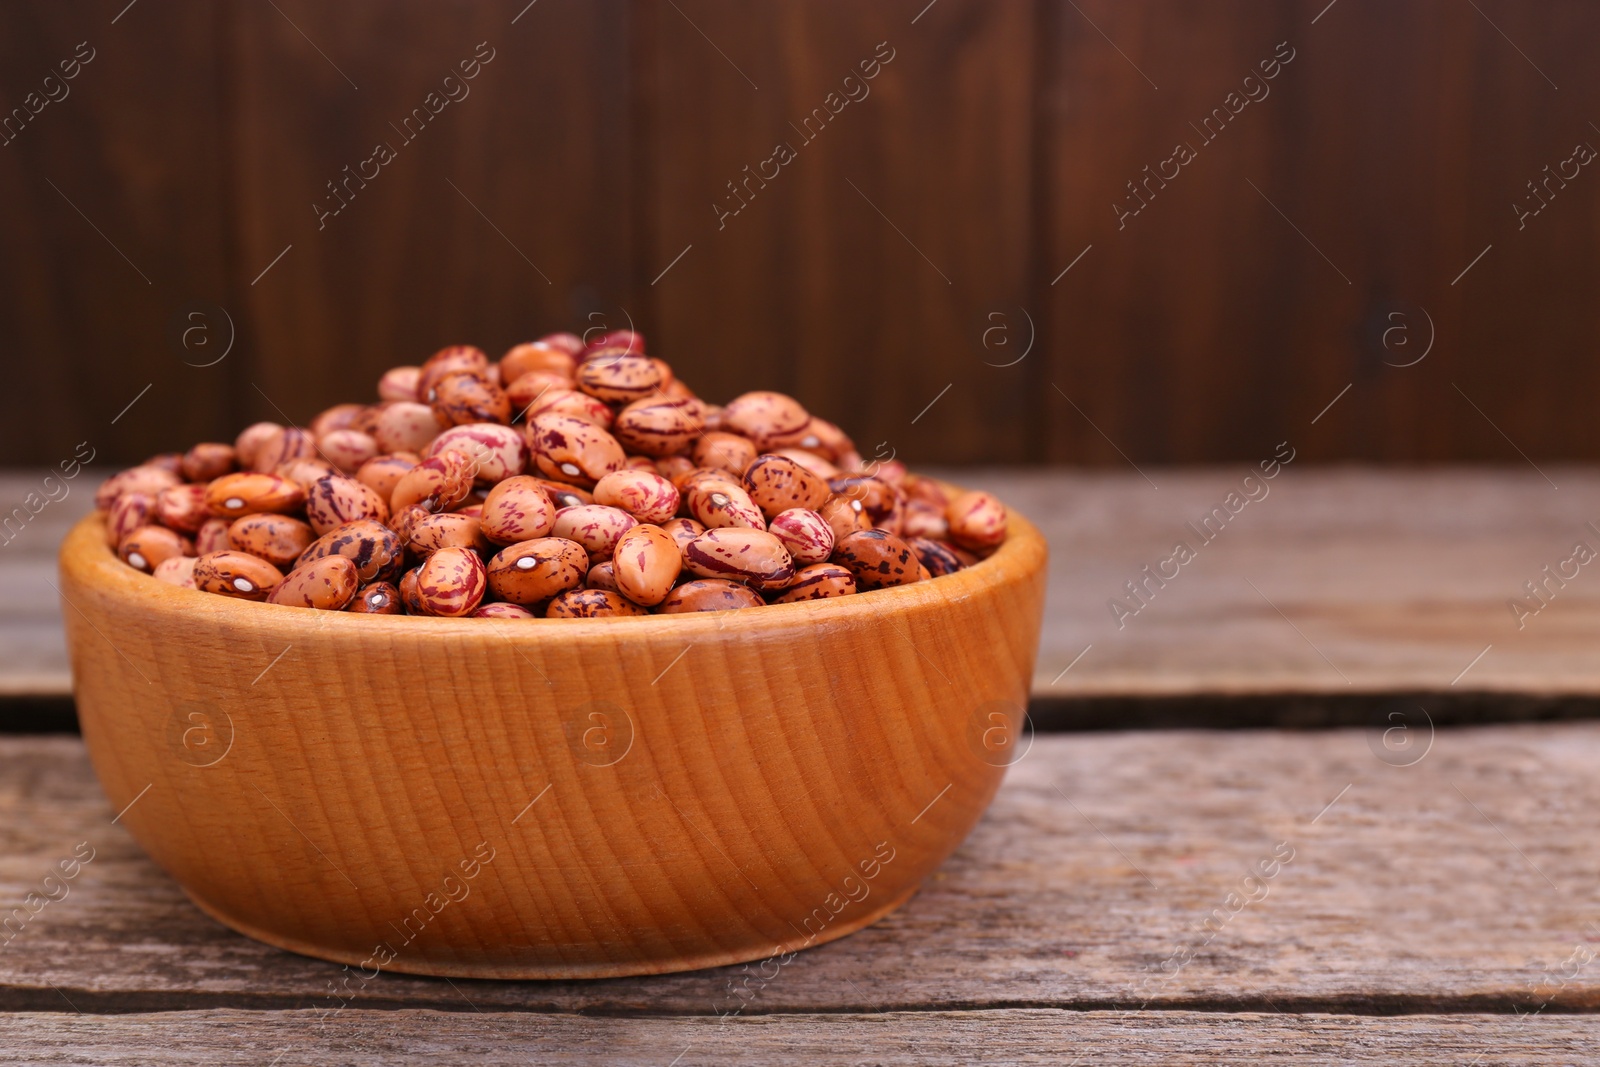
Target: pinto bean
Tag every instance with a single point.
(644, 494)
(236, 574)
(591, 604)
(572, 450)
(451, 583)
(877, 559)
(328, 584)
(710, 594)
(148, 546)
(278, 539)
(806, 535)
(778, 483)
(645, 564)
(233, 495)
(817, 582)
(379, 598)
(977, 521)
(742, 555)
(336, 500)
(531, 572)
(594, 526)
(375, 549)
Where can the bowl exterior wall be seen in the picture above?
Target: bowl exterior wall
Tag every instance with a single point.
(544, 799)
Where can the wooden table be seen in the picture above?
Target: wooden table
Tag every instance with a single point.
(1152, 896)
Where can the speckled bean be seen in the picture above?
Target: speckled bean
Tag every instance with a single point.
(806, 535)
(250, 440)
(336, 500)
(141, 479)
(438, 483)
(810, 461)
(399, 383)
(563, 495)
(338, 417)
(285, 443)
(573, 450)
(724, 451)
(771, 420)
(591, 604)
(561, 400)
(536, 356)
(594, 526)
(752, 556)
(937, 558)
(431, 532)
(883, 503)
(451, 583)
(304, 472)
(502, 610)
(709, 594)
(462, 398)
(644, 494)
(977, 521)
(817, 582)
(603, 575)
(404, 426)
(659, 426)
(379, 598)
(278, 539)
(621, 380)
(347, 449)
(877, 559)
(383, 473)
(497, 452)
(233, 495)
(777, 483)
(717, 505)
(845, 515)
(236, 574)
(922, 519)
(451, 359)
(645, 564)
(531, 572)
(176, 570)
(212, 536)
(375, 549)
(408, 592)
(328, 584)
(128, 512)
(517, 509)
(209, 460)
(682, 531)
(146, 547)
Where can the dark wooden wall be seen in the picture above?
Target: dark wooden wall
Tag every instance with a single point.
(918, 242)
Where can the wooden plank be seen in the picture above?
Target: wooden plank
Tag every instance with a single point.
(1019, 1036)
(1112, 872)
(1400, 579)
(115, 225)
(1220, 319)
(861, 274)
(501, 217)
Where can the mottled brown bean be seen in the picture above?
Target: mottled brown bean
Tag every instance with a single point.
(531, 572)
(438, 483)
(646, 564)
(877, 559)
(404, 426)
(209, 460)
(497, 452)
(659, 426)
(142, 479)
(806, 534)
(977, 521)
(603, 575)
(936, 557)
(379, 598)
(335, 500)
(176, 570)
(452, 359)
(148, 546)
(620, 380)
(536, 356)
(451, 583)
(724, 451)
(212, 536)
(233, 495)
(594, 526)
(560, 400)
(717, 505)
(128, 512)
(883, 503)
(778, 483)
(347, 449)
(573, 450)
(644, 494)
(845, 515)
(375, 549)
(463, 397)
(399, 383)
(278, 539)
(817, 582)
(502, 610)
(382, 473)
(739, 554)
(431, 532)
(284, 444)
(771, 420)
(517, 509)
(591, 604)
(682, 531)
(236, 574)
(709, 594)
(327, 584)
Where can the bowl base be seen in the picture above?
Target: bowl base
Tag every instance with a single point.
(413, 964)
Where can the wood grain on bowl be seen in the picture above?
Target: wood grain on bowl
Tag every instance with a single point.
(551, 798)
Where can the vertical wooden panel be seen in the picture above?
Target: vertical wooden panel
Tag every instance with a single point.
(858, 275)
(1215, 323)
(506, 216)
(114, 221)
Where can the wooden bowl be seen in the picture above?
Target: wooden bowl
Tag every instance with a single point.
(551, 798)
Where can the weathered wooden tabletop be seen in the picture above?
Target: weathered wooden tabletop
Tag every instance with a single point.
(1429, 902)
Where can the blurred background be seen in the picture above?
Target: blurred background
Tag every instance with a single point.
(967, 229)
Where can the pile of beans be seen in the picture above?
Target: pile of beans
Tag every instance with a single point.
(568, 480)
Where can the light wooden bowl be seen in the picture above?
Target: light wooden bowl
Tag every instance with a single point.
(551, 798)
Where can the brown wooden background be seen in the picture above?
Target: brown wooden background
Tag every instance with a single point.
(864, 277)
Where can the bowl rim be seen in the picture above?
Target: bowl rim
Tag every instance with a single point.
(85, 559)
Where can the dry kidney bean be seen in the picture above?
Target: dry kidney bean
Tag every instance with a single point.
(450, 360)
(438, 483)
(623, 493)
(564, 401)
(147, 547)
(379, 598)
(375, 549)
(335, 500)
(724, 451)
(817, 582)
(977, 521)
(806, 535)
(451, 582)
(497, 452)
(130, 511)
(710, 594)
(236, 574)
(278, 539)
(573, 450)
(722, 504)
(877, 559)
(209, 460)
(404, 426)
(621, 380)
(751, 556)
(141, 479)
(347, 449)
(329, 583)
(644, 494)
(660, 426)
(233, 495)
(176, 570)
(431, 532)
(463, 397)
(531, 572)
(777, 483)
(517, 509)
(591, 604)
(594, 526)
(646, 564)
(383, 473)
